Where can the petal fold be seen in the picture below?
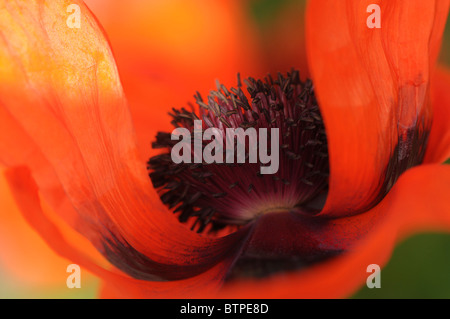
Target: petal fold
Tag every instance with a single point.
(24, 256)
(373, 89)
(25, 193)
(438, 150)
(417, 202)
(61, 89)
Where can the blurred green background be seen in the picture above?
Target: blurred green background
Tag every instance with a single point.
(10, 289)
(419, 267)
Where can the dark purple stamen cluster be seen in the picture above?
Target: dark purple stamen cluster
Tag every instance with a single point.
(220, 195)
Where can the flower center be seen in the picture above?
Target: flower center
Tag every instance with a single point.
(214, 195)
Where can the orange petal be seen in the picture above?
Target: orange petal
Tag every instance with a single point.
(21, 150)
(25, 193)
(438, 150)
(23, 253)
(417, 202)
(167, 50)
(372, 86)
(62, 88)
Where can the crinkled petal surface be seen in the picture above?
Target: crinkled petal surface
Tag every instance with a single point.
(373, 89)
(61, 96)
(438, 150)
(62, 100)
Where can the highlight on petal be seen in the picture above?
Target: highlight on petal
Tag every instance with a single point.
(417, 202)
(373, 89)
(61, 88)
(438, 150)
(167, 50)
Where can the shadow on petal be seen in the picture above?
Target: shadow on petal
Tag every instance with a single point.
(417, 202)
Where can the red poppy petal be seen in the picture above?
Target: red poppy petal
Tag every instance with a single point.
(17, 149)
(167, 50)
(24, 256)
(438, 150)
(417, 202)
(372, 86)
(61, 86)
(25, 193)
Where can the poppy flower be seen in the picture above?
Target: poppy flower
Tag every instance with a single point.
(362, 144)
